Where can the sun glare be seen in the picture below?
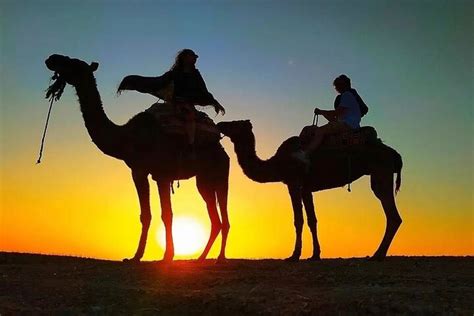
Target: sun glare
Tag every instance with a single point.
(189, 236)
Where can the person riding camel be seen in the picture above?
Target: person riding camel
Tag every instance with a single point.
(182, 86)
(189, 90)
(349, 108)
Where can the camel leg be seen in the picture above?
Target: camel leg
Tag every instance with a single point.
(295, 194)
(209, 196)
(312, 223)
(143, 189)
(383, 189)
(222, 192)
(167, 217)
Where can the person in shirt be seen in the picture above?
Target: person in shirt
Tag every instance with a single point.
(345, 116)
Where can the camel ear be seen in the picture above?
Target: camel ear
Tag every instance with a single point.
(94, 65)
(249, 123)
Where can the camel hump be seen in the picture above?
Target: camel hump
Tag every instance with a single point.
(172, 122)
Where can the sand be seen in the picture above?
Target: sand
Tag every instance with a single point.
(399, 285)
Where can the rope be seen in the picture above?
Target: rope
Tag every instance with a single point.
(45, 128)
(349, 176)
(54, 93)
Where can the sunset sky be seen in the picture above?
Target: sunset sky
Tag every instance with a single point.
(268, 61)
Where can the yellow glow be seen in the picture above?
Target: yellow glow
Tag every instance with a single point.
(188, 235)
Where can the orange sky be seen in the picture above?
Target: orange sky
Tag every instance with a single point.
(85, 205)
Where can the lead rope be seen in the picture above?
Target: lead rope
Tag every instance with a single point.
(44, 131)
(54, 92)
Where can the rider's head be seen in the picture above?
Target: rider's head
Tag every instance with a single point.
(342, 83)
(185, 58)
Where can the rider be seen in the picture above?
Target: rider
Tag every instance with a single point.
(345, 116)
(184, 86)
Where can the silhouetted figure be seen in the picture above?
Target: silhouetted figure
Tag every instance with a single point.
(147, 146)
(183, 86)
(335, 164)
(348, 110)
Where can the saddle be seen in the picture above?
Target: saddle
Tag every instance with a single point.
(172, 122)
(362, 136)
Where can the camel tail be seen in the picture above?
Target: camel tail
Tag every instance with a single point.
(398, 170)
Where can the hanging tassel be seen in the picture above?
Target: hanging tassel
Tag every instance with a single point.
(349, 176)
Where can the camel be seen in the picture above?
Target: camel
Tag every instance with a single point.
(147, 150)
(340, 167)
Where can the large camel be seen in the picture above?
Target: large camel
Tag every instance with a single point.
(146, 150)
(330, 168)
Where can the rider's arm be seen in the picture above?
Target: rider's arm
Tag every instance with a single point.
(331, 115)
(142, 84)
(209, 97)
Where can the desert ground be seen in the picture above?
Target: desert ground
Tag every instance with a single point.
(399, 285)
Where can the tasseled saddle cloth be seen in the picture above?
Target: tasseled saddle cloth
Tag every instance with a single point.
(172, 122)
(362, 136)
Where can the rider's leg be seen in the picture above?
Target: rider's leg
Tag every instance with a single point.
(190, 125)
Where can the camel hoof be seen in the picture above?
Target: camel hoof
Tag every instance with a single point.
(376, 258)
(293, 258)
(168, 258)
(314, 258)
(132, 260)
(221, 260)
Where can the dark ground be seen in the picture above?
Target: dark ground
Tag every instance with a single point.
(413, 285)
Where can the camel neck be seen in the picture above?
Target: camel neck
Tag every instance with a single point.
(255, 168)
(104, 133)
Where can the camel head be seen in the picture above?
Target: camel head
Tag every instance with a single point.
(235, 129)
(70, 70)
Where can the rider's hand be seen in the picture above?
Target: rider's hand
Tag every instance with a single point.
(219, 108)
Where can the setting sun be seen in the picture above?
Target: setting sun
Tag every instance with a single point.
(188, 234)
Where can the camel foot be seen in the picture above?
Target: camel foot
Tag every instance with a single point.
(131, 260)
(293, 258)
(221, 260)
(314, 258)
(168, 257)
(377, 257)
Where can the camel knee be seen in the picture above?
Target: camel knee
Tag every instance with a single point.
(225, 227)
(145, 219)
(167, 217)
(298, 222)
(312, 222)
(395, 220)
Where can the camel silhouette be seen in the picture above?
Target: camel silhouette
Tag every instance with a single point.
(377, 160)
(147, 150)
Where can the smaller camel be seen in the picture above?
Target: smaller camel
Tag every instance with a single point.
(341, 166)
